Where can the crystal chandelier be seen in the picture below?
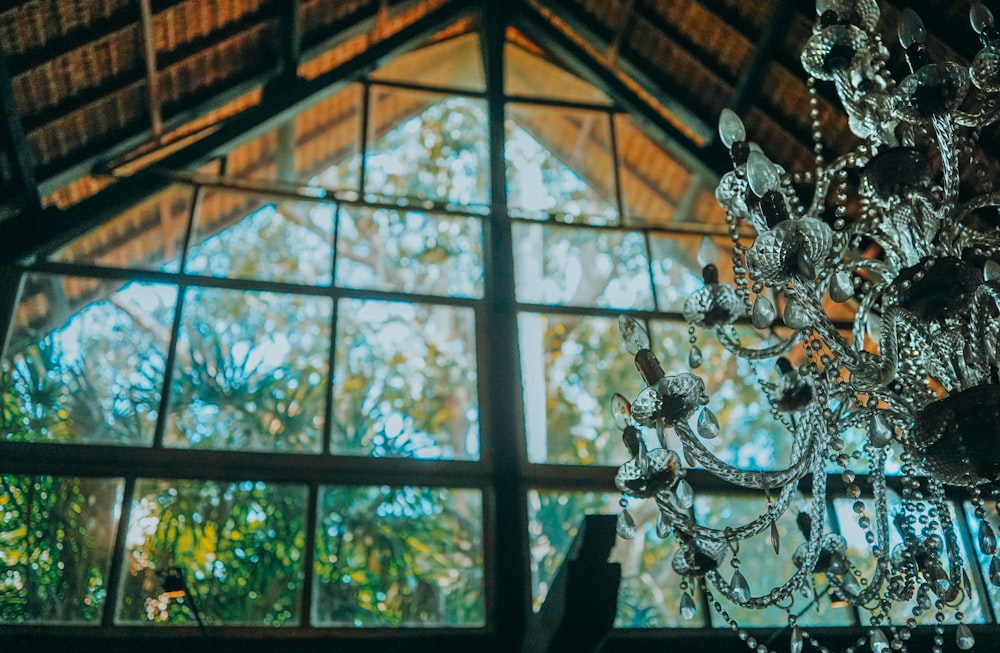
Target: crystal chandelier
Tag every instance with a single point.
(903, 231)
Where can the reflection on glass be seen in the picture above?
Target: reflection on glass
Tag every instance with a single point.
(453, 63)
(427, 146)
(649, 595)
(410, 251)
(240, 546)
(569, 175)
(570, 366)
(247, 238)
(581, 267)
(860, 556)
(85, 361)
(147, 236)
(653, 183)
(751, 438)
(405, 381)
(250, 371)
(56, 536)
(399, 556)
(763, 568)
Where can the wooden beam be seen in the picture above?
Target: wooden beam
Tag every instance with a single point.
(749, 84)
(149, 58)
(579, 61)
(14, 141)
(504, 446)
(283, 102)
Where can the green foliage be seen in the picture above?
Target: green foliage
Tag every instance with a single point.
(94, 378)
(252, 370)
(240, 544)
(405, 381)
(55, 543)
(399, 556)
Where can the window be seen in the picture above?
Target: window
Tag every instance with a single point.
(287, 393)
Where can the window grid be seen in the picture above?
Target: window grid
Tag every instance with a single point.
(453, 474)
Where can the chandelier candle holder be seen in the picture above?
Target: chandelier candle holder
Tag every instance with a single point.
(903, 231)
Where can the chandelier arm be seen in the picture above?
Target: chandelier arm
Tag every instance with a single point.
(771, 351)
(959, 213)
(753, 480)
(877, 457)
(685, 524)
(813, 549)
(987, 116)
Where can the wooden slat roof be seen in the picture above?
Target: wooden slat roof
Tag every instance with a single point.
(77, 86)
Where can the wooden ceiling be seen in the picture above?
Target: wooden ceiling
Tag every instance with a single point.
(87, 85)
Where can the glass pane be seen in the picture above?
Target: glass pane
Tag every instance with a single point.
(751, 438)
(243, 237)
(56, 536)
(258, 158)
(405, 381)
(677, 270)
(239, 547)
(559, 163)
(993, 591)
(147, 236)
(528, 74)
(653, 182)
(706, 208)
(581, 267)
(455, 63)
(405, 556)
(410, 251)
(250, 371)
(649, 595)
(762, 568)
(426, 146)
(570, 366)
(329, 141)
(85, 361)
(860, 556)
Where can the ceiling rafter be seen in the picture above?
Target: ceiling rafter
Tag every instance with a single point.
(280, 102)
(15, 142)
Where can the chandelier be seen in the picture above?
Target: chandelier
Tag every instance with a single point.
(903, 231)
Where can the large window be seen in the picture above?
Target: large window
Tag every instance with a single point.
(288, 396)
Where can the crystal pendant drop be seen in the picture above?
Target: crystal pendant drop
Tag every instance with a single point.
(795, 641)
(795, 316)
(694, 357)
(763, 313)
(987, 539)
(995, 571)
(683, 495)
(688, 608)
(626, 525)
(663, 527)
(880, 433)
(775, 538)
(708, 424)
(877, 641)
(964, 638)
(991, 271)
(739, 589)
(841, 288)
